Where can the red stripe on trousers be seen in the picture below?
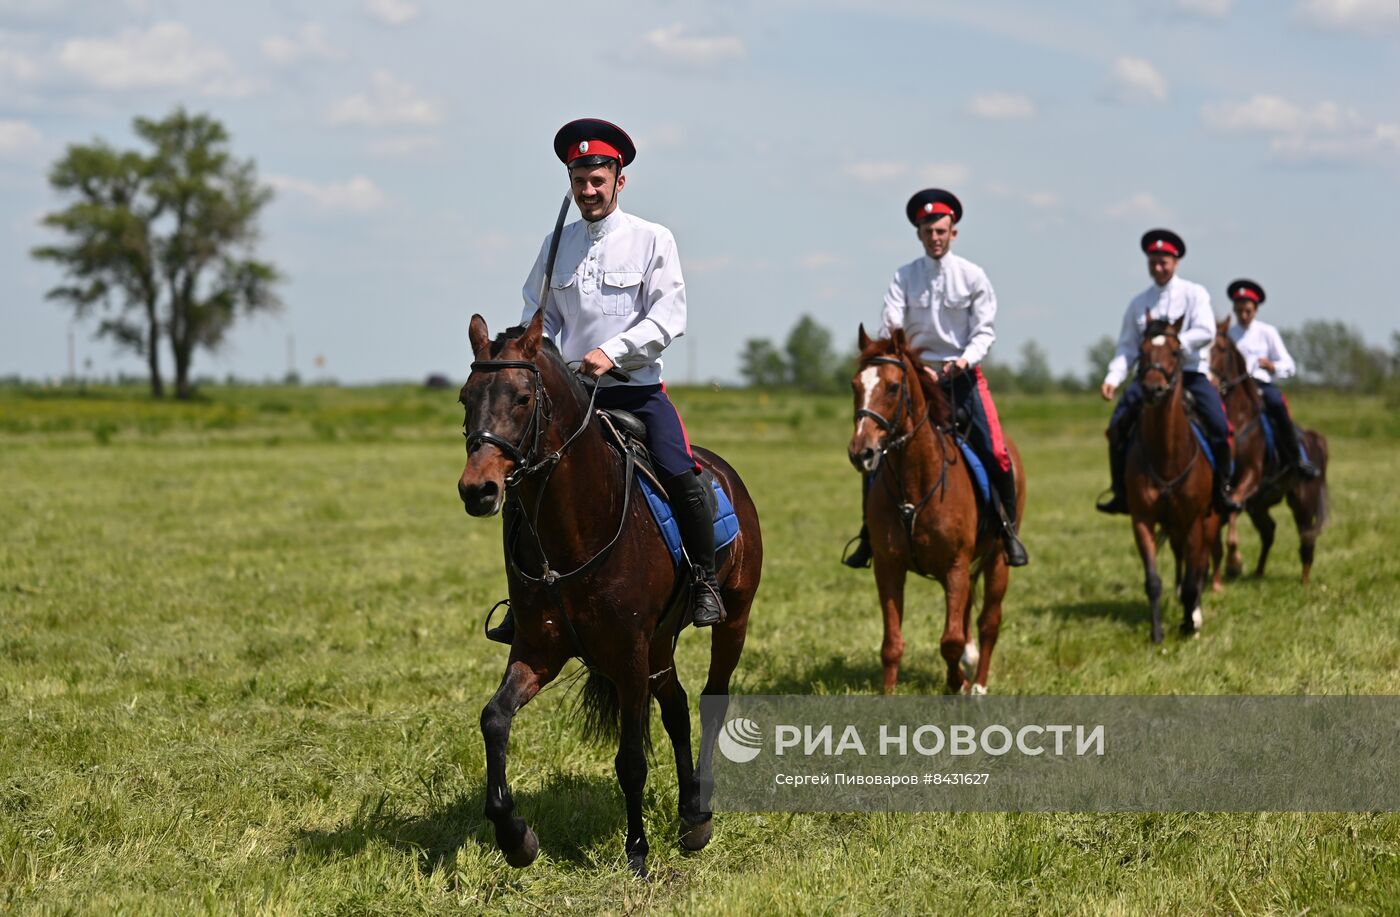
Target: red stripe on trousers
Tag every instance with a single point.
(993, 421)
(685, 434)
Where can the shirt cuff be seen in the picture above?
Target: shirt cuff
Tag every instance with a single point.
(616, 349)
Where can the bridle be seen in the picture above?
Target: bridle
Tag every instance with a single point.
(1229, 385)
(525, 463)
(903, 410)
(1172, 377)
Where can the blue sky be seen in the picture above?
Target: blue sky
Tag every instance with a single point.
(410, 145)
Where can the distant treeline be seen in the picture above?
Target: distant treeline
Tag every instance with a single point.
(1330, 355)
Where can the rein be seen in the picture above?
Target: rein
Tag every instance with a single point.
(1166, 487)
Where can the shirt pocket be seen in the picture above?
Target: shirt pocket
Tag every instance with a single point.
(620, 292)
(563, 291)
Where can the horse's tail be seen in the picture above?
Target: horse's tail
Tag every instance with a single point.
(600, 709)
(1318, 446)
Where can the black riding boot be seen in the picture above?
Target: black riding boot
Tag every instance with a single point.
(1005, 483)
(1117, 463)
(860, 557)
(1291, 452)
(1224, 501)
(691, 505)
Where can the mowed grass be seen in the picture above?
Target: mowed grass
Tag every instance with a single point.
(241, 666)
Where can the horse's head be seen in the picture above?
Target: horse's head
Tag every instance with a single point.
(892, 394)
(1159, 359)
(505, 412)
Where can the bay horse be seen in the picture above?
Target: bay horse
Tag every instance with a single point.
(922, 511)
(1261, 484)
(589, 577)
(1168, 480)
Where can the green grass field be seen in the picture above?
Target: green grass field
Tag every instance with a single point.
(241, 666)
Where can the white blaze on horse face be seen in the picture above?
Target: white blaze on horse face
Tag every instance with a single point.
(1159, 340)
(869, 382)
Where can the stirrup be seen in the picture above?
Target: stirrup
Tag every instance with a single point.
(505, 631)
(704, 588)
(859, 559)
(1114, 505)
(1307, 470)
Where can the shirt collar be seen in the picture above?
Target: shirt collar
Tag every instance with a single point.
(604, 226)
(933, 265)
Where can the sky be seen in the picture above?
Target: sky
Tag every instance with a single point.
(409, 143)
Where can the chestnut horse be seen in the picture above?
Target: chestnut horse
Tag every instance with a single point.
(1262, 484)
(589, 577)
(923, 509)
(1168, 480)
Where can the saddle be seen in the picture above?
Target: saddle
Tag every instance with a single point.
(628, 435)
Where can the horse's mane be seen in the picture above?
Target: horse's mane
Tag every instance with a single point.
(938, 410)
(546, 347)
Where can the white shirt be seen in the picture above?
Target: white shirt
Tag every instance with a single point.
(617, 286)
(1261, 339)
(1178, 298)
(946, 308)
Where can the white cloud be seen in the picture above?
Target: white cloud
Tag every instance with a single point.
(164, 56)
(815, 261)
(1001, 106)
(308, 43)
(1210, 9)
(1135, 81)
(874, 172)
(1362, 16)
(1323, 133)
(404, 146)
(1043, 199)
(677, 44)
(358, 195)
(17, 66)
(945, 174)
(18, 137)
(392, 12)
(391, 101)
(1139, 206)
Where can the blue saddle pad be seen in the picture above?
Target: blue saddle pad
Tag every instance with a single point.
(979, 472)
(726, 521)
(1205, 446)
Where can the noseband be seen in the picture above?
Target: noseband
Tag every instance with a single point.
(902, 410)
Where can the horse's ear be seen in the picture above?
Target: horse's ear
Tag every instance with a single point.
(1176, 325)
(478, 335)
(898, 340)
(864, 340)
(1223, 325)
(529, 342)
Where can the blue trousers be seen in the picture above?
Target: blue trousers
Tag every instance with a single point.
(1209, 406)
(1274, 403)
(666, 436)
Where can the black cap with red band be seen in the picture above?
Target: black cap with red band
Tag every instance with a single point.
(1163, 242)
(591, 142)
(1246, 289)
(933, 204)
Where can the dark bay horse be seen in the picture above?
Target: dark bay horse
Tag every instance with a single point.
(1261, 484)
(589, 577)
(923, 509)
(1168, 480)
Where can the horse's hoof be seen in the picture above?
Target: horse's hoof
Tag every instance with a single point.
(638, 865)
(525, 854)
(970, 657)
(1156, 636)
(695, 836)
(978, 690)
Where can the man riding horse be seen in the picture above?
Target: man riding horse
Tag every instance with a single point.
(617, 300)
(1169, 298)
(1267, 360)
(946, 307)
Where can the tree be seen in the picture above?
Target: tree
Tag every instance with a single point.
(1335, 355)
(1034, 376)
(1098, 356)
(164, 239)
(761, 364)
(810, 357)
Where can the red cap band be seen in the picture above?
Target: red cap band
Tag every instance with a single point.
(937, 207)
(593, 148)
(1246, 293)
(1162, 245)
